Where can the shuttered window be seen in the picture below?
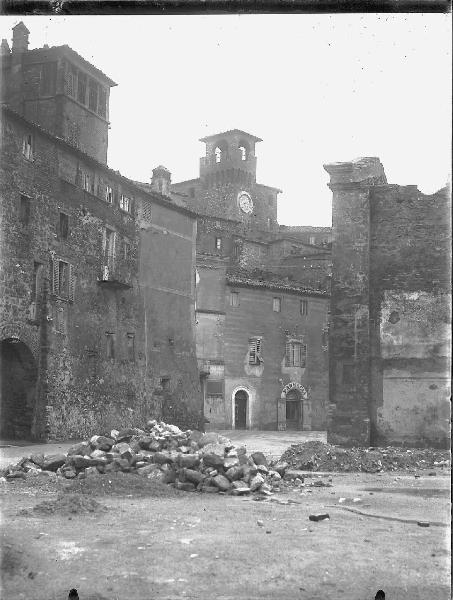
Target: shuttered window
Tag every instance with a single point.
(63, 279)
(255, 351)
(296, 354)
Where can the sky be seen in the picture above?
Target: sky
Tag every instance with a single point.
(315, 88)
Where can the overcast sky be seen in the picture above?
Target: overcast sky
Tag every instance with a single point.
(315, 88)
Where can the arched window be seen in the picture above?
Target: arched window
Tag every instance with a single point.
(243, 152)
(218, 154)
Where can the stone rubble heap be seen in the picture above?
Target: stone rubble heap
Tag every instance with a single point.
(189, 460)
(317, 456)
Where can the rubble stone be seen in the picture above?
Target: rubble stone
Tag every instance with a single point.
(256, 482)
(221, 482)
(259, 459)
(53, 461)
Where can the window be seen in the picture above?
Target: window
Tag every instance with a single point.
(277, 304)
(218, 243)
(86, 181)
(110, 344)
(304, 307)
(63, 226)
(255, 351)
(131, 346)
(109, 194)
(236, 250)
(102, 103)
(108, 247)
(71, 80)
(24, 210)
(82, 88)
(125, 203)
(296, 354)
(218, 154)
(73, 133)
(312, 240)
(93, 95)
(63, 281)
(243, 152)
(165, 384)
(27, 146)
(37, 277)
(126, 249)
(234, 299)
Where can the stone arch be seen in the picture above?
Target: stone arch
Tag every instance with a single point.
(294, 391)
(23, 333)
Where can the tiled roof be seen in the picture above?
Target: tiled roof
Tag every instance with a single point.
(271, 282)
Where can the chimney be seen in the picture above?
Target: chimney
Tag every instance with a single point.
(161, 180)
(4, 48)
(20, 38)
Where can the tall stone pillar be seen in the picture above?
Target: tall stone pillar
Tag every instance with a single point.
(349, 334)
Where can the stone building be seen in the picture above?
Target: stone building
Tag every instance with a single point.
(97, 302)
(262, 297)
(390, 309)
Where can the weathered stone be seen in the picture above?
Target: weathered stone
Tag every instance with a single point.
(281, 467)
(146, 470)
(230, 461)
(98, 454)
(221, 482)
(241, 450)
(210, 489)
(195, 436)
(53, 461)
(125, 451)
(183, 449)
(193, 476)
(123, 463)
(169, 476)
(234, 473)
(155, 446)
(275, 475)
(79, 449)
(213, 460)
(125, 435)
(189, 460)
(246, 473)
(262, 469)
(187, 486)
(259, 459)
(161, 458)
(114, 434)
(145, 442)
(243, 459)
(91, 471)
(256, 482)
(69, 473)
(208, 438)
(104, 443)
(38, 459)
(16, 475)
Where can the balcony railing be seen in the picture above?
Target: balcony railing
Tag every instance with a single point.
(113, 278)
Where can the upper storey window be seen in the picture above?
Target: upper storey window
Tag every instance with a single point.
(218, 154)
(102, 102)
(93, 96)
(82, 88)
(243, 152)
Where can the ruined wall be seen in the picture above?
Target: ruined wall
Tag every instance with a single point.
(410, 302)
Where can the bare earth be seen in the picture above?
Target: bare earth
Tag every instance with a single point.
(205, 546)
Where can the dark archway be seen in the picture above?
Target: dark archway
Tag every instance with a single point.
(18, 374)
(240, 409)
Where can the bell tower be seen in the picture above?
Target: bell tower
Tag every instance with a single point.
(230, 159)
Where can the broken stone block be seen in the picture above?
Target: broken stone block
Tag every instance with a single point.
(169, 476)
(155, 446)
(193, 476)
(210, 489)
(262, 469)
(281, 467)
(125, 435)
(114, 434)
(38, 459)
(123, 464)
(275, 475)
(259, 459)
(208, 438)
(80, 462)
(213, 460)
(195, 436)
(98, 454)
(246, 473)
(256, 482)
(230, 461)
(186, 486)
(125, 451)
(16, 475)
(53, 461)
(189, 461)
(103, 443)
(80, 449)
(234, 473)
(221, 482)
(146, 470)
(162, 458)
(91, 471)
(243, 459)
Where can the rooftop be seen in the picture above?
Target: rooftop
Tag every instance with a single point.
(230, 132)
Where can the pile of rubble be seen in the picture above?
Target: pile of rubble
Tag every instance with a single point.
(189, 460)
(317, 456)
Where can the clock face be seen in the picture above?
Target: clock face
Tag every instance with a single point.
(245, 202)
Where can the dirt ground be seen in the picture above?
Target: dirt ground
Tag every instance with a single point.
(205, 546)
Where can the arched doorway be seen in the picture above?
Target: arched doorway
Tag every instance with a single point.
(240, 409)
(294, 417)
(18, 385)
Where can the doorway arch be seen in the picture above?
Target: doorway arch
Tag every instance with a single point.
(241, 408)
(18, 373)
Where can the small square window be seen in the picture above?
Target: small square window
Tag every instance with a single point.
(234, 299)
(24, 210)
(27, 146)
(312, 240)
(63, 226)
(125, 203)
(304, 307)
(131, 346)
(218, 243)
(165, 384)
(110, 345)
(277, 304)
(296, 354)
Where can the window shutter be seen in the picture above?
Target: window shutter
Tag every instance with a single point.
(303, 355)
(55, 276)
(252, 351)
(71, 283)
(78, 180)
(288, 354)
